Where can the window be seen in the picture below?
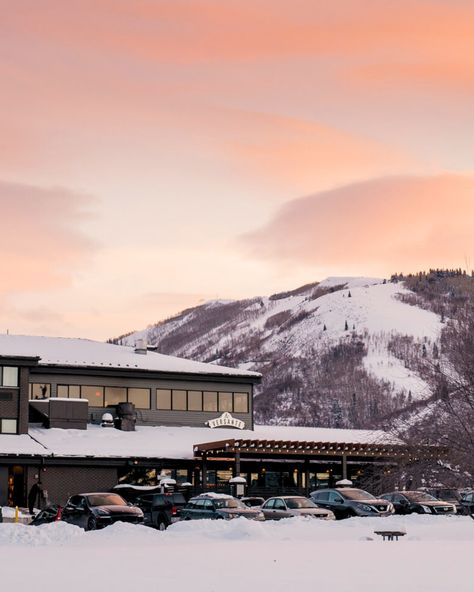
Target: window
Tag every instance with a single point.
(179, 400)
(8, 426)
(225, 402)
(279, 504)
(210, 401)
(163, 399)
(39, 390)
(115, 395)
(63, 391)
(10, 376)
(140, 397)
(195, 400)
(241, 403)
(71, 391)
(94, 394)
(321, 496)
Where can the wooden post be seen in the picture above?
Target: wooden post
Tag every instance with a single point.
(344, 466)
(237, 464)
(306, 477)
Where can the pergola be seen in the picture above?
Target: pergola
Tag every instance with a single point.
(312, 450)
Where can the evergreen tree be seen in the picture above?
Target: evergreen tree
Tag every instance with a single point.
(346, 327)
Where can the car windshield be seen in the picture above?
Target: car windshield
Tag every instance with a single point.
(418, 496)
(356, 494)
(229, 503)
(299, 502)
(106, 499)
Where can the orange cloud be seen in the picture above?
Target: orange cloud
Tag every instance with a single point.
(387, 224)
(304, 155)
(41, 243)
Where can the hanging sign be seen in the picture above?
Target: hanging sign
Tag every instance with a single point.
(226, 420)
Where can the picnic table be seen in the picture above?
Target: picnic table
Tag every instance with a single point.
(390, 535)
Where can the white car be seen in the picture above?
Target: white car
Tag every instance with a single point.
(288, 506)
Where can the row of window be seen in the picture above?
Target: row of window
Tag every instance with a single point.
(98, 396)
(8, 426)
(166, 399)
(180, 400)
(8, 376)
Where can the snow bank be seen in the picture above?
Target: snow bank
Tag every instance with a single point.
(207, 556)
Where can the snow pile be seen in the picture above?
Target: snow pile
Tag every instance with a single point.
(207, 556)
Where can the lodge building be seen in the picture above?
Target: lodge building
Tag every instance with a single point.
(79, 415)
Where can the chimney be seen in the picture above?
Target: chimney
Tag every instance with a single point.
(140, 347)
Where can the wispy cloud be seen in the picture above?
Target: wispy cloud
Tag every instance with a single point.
(41, 241)
(385, 224)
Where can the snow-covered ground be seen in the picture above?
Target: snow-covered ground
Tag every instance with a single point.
(241, 555)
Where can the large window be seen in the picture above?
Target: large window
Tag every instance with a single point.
(94, 394)
(225, 402)
(99, 396)
(163, 399)
(241, 403)
(209, 401)
(195, 400)
(140, 397)
(115, 395)
(179, 400)
(8, 426)
(39, 390)
(9, 376)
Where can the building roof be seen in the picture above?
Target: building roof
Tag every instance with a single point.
(167, 442)
(85, 353)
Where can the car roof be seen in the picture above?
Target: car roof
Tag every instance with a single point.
(289, 497)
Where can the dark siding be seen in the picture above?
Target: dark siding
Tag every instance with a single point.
(62, 482)
(153, 416)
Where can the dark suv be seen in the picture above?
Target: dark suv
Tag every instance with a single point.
(418, 502)
(96, 510)
(161, 509)
(347, 501)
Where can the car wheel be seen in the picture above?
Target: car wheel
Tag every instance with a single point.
(91, 523)
(162, 525)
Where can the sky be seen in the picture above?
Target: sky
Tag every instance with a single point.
(157, 154)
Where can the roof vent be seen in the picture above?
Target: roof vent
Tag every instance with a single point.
(140, 347)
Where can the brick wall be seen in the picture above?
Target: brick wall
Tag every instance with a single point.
(62, 482)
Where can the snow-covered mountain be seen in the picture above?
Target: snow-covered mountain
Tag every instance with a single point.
(340, 353)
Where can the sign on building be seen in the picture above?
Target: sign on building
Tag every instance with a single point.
(226, 420)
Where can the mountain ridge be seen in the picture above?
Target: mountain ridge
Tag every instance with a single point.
(338, 353)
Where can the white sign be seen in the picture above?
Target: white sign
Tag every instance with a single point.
(226, 420)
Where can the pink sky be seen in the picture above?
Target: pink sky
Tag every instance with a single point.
(155, 154)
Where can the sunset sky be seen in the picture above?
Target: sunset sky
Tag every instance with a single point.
(157, 154)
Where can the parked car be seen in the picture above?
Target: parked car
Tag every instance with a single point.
(446, 494)
(418, 502)
(215, 506)
(97, 510)
(161, 509)
(51, 513)
(289, 506)
(467, 503)
(252, 502)
(348, 501)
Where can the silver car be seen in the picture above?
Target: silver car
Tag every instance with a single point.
(289, 506)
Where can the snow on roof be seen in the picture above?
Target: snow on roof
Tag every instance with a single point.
(63, 351)
(22, 444)
(178, 442)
